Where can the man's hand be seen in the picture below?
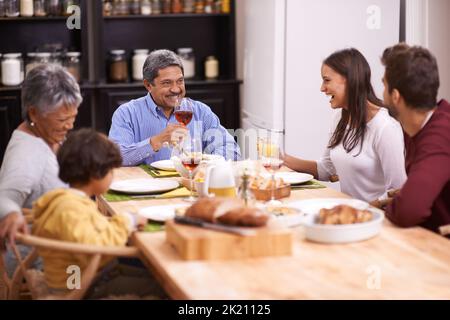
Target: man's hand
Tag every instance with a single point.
(172, 134)
(382, 204)
(10, 225)
(392, 193)
(334, 178)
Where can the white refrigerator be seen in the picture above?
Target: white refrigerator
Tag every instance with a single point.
(285, 42)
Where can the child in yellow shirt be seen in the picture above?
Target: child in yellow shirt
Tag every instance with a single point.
(86, 161)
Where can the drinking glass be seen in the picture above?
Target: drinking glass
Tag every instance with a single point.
(184, 111)
(12, 8)
(271, 153)
(191, 155)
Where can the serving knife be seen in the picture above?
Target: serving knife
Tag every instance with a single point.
(214, 226)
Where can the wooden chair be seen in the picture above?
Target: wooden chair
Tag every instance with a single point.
(34, 281)
(4, 279)
(5, 282)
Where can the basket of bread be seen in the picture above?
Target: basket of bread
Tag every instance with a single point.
(262, 188)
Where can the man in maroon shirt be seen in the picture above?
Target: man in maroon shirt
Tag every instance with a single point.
(411, 82)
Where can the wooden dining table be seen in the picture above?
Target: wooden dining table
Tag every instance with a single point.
(398, 263)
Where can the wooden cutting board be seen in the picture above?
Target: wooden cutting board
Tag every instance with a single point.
(194, 243)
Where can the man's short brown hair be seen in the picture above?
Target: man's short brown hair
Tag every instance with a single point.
(86, 155)
(413, 71)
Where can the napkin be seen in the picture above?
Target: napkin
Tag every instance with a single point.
(177, 193)
(155, 173)
(112, 196)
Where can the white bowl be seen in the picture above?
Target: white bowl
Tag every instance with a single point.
(325, 233)
(343, 233)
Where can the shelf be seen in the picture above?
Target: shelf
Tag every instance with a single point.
(28, 19)
(188, 82)
(133, 85)
(10, 88)
(87, 85)
(120, 85)
(84, 85)
(168, 15)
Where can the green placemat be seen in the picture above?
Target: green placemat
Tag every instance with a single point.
(155, 173)
(312, 184)
(112, 196)
(154, 227)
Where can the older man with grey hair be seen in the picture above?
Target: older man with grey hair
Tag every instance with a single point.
(50, 101)
(142, 127)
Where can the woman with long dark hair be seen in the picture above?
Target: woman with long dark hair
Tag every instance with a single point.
(366, 148)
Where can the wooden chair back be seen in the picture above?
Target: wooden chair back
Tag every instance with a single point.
(24, 275)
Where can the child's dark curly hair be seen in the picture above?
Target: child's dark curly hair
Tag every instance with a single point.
(86, 155)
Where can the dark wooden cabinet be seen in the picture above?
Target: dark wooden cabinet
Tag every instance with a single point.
(110, 99)
(222, 97)
(10, 115)
(85, 112)
(207, 34)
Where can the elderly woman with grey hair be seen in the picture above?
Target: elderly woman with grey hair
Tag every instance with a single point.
(142, 127)
(50, 101)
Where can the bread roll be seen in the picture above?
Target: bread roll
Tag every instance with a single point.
(227, 211)
(343, 214)
(244, 216)
(204, 209)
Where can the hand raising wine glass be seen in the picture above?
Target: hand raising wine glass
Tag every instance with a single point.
(191, 156)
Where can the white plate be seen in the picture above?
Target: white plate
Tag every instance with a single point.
(337, 233)
(144, 186)
(294, 177)
(166, 165)
(160, 213)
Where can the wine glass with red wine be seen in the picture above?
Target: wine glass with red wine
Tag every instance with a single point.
(271, 152)
(191, 156)
(184, 111)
